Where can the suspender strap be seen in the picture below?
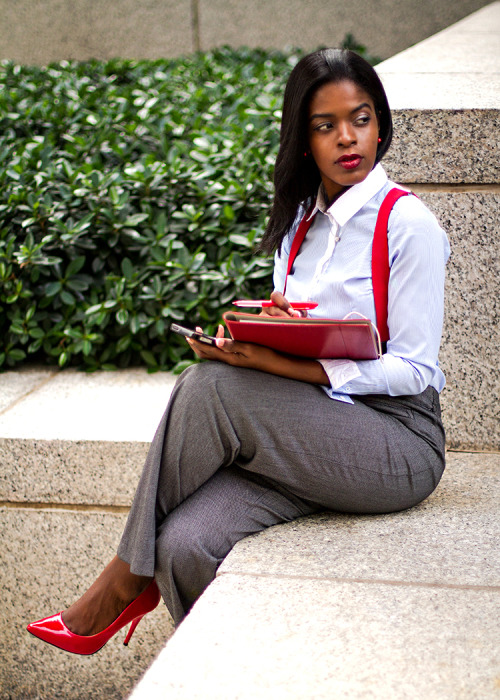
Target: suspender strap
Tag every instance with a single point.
(300, 234)
(380, 256)
(380, 261)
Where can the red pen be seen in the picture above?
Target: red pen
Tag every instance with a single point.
(265, 303)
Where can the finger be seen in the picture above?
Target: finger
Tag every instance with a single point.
(276, 312)
(280, 308)
(220, 332)
(225, 344)
(282, 303)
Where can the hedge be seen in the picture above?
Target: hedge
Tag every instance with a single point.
(132, 194)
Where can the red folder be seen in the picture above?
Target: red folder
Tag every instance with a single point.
(319, 338)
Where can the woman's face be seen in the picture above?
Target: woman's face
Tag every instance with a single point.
(343, 135)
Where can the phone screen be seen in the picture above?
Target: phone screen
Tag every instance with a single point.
(189, 333)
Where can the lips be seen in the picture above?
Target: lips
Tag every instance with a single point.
(349, 161)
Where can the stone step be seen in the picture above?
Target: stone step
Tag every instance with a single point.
(399, 606)
(72, 447)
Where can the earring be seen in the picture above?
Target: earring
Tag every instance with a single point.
(306, 154)
(379, 140)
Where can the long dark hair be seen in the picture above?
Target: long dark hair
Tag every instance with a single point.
(296, 178)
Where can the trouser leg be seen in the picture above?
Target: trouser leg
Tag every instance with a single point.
(194, 538)
(352, 458)
(195, 438)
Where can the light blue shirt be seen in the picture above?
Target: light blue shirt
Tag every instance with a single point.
(333, 268)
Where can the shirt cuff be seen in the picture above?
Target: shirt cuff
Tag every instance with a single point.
(340, 372)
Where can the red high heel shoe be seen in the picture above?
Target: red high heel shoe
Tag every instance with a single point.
(54, 631)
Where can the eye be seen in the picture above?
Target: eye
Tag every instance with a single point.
(362, 120)
(324, 126)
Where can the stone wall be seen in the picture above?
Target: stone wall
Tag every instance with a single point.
(40, 31)
(445, 95)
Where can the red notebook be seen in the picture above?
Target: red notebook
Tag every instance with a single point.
(318, 338)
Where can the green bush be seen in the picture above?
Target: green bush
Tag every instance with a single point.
(132, 194)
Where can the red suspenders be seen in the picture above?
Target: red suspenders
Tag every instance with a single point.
(380, 256)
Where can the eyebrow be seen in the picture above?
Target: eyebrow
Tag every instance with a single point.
(330, 114)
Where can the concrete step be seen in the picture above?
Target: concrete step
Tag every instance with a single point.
(399, 606)
(72, 447)
(322, 602)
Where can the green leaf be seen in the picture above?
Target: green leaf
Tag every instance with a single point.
(149, 358)
(122, 316)
(181, 366)
(75, 266)
(67, 297)
(16, 355)
(53, 288)
(135, 219)
(63, 359)
(127, 268)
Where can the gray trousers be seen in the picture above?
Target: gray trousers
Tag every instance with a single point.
(238, 450)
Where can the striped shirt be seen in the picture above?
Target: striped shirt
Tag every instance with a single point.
(333, 268)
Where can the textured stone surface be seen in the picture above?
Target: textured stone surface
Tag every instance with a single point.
(440, 91)
(398, 606)
(65, 471)
(471, 334)
(457, 68)
(325, 23)
(15, 385)
(436, 146)
(125, 405)
(47, 559)
(40, 31)
(273, 638)
(451, 538)
(445, 98)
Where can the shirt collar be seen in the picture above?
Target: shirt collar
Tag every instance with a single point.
(353, 199)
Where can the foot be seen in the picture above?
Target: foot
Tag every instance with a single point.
(106, 598)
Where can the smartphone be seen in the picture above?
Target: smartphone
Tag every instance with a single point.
(189, 333)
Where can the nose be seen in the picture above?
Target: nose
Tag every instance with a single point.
(346, 134)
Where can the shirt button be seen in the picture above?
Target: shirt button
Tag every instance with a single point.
(337, 239)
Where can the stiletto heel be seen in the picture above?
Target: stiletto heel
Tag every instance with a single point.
(131, 630)
(53, 630)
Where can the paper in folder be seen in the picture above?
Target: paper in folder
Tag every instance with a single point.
(318, 338)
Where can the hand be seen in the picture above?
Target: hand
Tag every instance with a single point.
(235, 353)
(281, 308)
(253, 356)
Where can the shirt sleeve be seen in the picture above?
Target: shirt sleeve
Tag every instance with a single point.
(418, 251)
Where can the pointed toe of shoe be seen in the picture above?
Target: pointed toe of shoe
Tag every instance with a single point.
(53, 631)
(50, 629)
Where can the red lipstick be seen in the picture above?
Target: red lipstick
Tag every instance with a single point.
(349, 161)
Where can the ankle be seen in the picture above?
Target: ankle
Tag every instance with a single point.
(128, 586)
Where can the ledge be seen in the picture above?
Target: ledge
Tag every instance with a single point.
(445, 97)
(391, 606)
(456, 69)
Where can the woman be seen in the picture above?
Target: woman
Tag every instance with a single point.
(252, 437)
